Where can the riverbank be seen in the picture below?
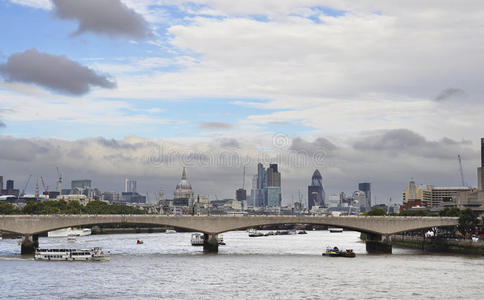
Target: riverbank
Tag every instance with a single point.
(439, 245)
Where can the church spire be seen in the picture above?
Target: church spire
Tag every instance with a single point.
(184, 174)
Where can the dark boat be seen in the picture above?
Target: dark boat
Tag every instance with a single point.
(335, 252)
(139, 242)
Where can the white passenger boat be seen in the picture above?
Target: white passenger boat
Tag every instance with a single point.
(197, 239)
(335, 229)
(94, 254)
(65, 232)
(170, 231)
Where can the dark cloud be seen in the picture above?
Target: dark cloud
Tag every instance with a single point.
(109, 17)
(2, 125)
(229, 143)
(214, 125)
(320, 145)
(55, 72)
(12, 149)
(404, 141)
(450, 94)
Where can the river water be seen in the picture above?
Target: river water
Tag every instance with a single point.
(274, 267)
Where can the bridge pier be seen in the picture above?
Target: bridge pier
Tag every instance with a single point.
(29, 244)
(210, 243)
(377, 243)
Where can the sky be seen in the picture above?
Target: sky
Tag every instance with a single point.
(364, 91)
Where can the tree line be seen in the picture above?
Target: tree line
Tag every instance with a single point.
(51, 207)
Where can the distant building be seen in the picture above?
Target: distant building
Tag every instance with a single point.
(241, 194)
(111, 197)
(430, 196)
(129, 186)
(81, 184)
(253, 192)
(9, 189)
(1, 185)
(132, 197)
(183, 195)
(261, 185)
(366, 188)
(272, 192)
(316, 195)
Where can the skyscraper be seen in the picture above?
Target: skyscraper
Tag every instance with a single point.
(1, 185)
(316, 195)
(366, 187)
(272, 192)
(129, 186)
(261, 185)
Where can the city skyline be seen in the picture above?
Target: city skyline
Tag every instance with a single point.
(403, 94)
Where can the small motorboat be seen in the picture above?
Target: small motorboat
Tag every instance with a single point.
(139, 242)
(302, 232)
(220, 240)
(335, 252)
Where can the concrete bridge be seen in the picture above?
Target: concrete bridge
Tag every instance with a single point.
(378, 229)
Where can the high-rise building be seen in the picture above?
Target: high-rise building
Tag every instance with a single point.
(316, 195)
(241, 194)
(261, 185)
(1, 185)
(10, 185)
(366, 188)
(272, 192)
(81, 184)
(129, 186)
(253, 192)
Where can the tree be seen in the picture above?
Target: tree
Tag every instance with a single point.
(375, 212)
(7, 209)
(467, 221)
(450, 212)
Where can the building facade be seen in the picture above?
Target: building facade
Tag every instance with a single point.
(129, 186)
(183, 195)
(366, 188)
(316, 194)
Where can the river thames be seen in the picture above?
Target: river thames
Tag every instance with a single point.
(274, 267)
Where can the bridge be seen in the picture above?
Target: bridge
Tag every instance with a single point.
(377, 228)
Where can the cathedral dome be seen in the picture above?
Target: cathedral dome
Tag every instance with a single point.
(184, 188)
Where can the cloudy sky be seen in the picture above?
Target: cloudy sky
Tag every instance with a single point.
(378, 91)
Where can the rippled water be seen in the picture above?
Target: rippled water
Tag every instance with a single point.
(274, 267)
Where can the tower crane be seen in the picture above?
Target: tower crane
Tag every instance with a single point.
(461, 171)
(26, 185)
(46, 188)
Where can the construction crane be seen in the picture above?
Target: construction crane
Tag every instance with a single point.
(461, 171)
(46, 188)
(59, 182)
(25, 186)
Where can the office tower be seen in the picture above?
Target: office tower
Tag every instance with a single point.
(272, 191)
(261, 185)
(1, 185)
(129, 186)
(81, 184)
(366, 187)
(241, 194)
(316, 195)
